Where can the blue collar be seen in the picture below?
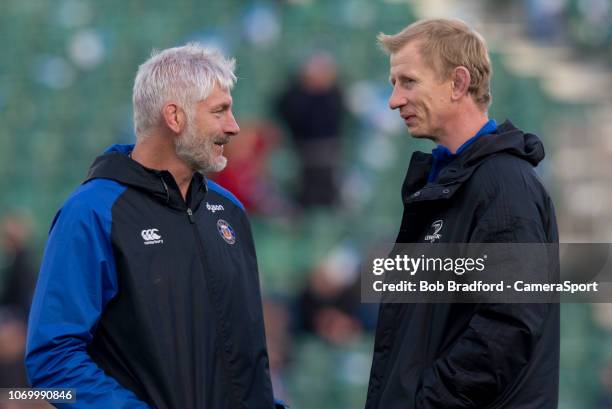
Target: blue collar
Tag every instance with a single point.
(442, 156)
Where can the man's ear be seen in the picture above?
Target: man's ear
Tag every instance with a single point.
(461, 83)
(174, 117)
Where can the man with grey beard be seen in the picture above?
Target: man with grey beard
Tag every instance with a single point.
(148, 294)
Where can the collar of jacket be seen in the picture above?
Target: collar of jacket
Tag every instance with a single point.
(442, 156)
(116, 164)
(508, 139)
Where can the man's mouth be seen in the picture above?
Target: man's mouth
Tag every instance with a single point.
(409, 119)
(221, 142)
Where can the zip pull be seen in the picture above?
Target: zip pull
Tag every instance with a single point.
(190, 215)
(166, 189)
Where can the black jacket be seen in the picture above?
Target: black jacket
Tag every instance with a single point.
(144, 297)
(485, 356)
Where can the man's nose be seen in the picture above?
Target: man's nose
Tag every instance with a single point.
(231, 126)
(396, 100)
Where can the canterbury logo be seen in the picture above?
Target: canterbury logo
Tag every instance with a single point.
(150, 236)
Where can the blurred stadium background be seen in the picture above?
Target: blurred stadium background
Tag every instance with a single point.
(65, 94)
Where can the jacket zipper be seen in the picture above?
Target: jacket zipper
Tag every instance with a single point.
(209, 284)
(166, 189)
(190, 215)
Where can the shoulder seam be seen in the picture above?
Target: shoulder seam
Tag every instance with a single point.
(215, 187)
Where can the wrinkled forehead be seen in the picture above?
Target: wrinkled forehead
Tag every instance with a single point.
(409, 61)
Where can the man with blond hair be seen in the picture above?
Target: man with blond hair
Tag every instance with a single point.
(148, 294)
(477, 186)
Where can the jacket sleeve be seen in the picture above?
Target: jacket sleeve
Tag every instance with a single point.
(499, 341)
(77, 279)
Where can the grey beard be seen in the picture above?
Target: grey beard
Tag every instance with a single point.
(196, 161)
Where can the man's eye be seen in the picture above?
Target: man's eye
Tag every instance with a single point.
(220, 110)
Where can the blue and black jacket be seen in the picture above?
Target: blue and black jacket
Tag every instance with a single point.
(148, 300)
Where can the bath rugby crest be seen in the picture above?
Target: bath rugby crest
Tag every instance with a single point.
(226, 231)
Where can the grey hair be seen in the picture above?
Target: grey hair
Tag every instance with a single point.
(185, 74)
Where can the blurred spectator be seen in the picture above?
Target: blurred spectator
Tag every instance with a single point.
(602, 315)
(545, 19)
(329, 305)
(12, 347)
(277, 322)
(18, 275)
(312, 108)
(18, 279)
(605, 399)
(246, 174)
